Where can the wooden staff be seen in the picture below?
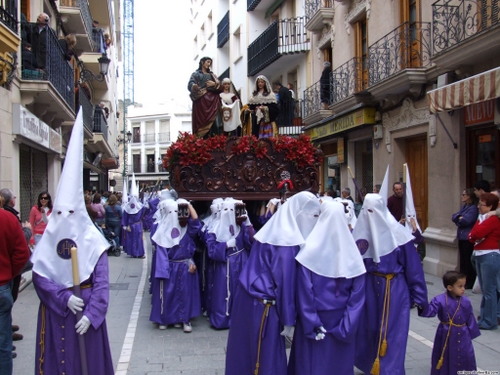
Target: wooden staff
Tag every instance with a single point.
(77, 293)
(356, 184)
(404, 192)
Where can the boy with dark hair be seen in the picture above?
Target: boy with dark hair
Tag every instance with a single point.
(481, 186)
(453, 351)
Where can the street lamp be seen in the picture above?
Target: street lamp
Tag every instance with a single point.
(87, 76)
(125, 140)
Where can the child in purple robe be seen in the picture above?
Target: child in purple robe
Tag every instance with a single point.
(453, 350)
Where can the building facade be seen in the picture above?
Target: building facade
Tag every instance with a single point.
(43, 85)
(408, 84)
(152, 130)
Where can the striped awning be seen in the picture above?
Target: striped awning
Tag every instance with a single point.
(475, 89)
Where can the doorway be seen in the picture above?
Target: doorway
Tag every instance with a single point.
(416, 159)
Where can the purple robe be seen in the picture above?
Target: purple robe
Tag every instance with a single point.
(180, 300)
(147, 219)
(208, 275)
(60, 350)
(133, 244)
(459, 353)
(407, 287)
(227, 266)
(336, 304)
(268, 274)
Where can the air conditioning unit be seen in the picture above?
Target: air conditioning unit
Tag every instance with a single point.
(444, 79)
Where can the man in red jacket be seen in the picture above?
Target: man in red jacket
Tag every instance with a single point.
(13, 256)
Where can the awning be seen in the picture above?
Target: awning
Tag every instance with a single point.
(273, 7)
(476, 89)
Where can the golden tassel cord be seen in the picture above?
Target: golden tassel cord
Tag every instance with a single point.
(451, 324)
(263, 320)
(384, 324)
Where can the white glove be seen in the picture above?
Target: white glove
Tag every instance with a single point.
(75, 304)
(287, 331)
(83, 325)
(247, 222)
(45, 219)
(231, 243)
(320, 333)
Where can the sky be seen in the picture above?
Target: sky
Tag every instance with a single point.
(163, 58)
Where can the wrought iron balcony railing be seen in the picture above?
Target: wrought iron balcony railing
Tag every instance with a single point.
(146, 168)
(53, 67)
(163, 137)
(346, 80)
(281, 37)
(457, 21)
(88, 109)
(312, 99)
(100, 123)
(148, 138)
(8, 16)
(223, 31)
(407, 46)
(252, 4)
(98, 39)
(312, 6)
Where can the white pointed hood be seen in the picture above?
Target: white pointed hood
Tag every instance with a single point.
(125, 193)
(69, 224)
(226, 228)
(134, 205)
(330, 249)
(410, 211)
(384, 188)
(169, 232)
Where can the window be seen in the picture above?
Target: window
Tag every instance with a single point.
(209, 27)
(361, 40)
(237, 45)
(410, 33)
(150, 132)
(186, 126)
(136, 134)
(203, 37)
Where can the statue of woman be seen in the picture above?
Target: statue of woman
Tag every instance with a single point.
(204, 88)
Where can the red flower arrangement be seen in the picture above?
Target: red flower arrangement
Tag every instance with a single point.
(191, 150)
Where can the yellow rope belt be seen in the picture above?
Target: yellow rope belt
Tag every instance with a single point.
(83, 286)
(384, 324)
(267, 304)
(451, 324)
(42, 341)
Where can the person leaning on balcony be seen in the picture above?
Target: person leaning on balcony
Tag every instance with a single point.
(324, 83)
(204, 87)
(263, 109)
(29, 64)
(39, 39)
(68, 44)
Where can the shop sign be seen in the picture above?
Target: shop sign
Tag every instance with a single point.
(479, 113)
(340, 151)
(31, 127)
(362, 116)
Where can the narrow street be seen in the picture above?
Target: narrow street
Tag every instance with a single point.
(139, 347)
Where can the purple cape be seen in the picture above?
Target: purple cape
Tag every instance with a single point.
(180, 300)
(133, 243)
(459, 353)
(269, 274)
(336, 305)
(407, 287)
(57, 351)
(227, 266)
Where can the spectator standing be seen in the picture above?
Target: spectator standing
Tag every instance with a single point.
(39, 39)
(465, 219)
(98, 36)
(98, 208)
(14, 254)
(395, 203)
(39, 215)
(113, 217)
(324, 83)
(68, 44)
(285, 105)
(346, 194)
(485, 235)
(453, 352)
(480, 187)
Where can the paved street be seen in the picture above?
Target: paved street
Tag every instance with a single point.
(139, 348)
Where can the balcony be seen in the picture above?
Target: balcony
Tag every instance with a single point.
(398, 61)
(319, 13)
(282, 37)
(294, 126)
(261, 4)
(88, 113)
(465, 32)
(77, 19)
(99, 142)
(312, 108)
(223, 31)
(52, 85)
(9, 39)
(346, 81)
(148, 138)
(163, 137)
(146, 168)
